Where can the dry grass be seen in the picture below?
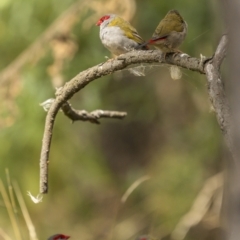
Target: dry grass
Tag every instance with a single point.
(10, 196)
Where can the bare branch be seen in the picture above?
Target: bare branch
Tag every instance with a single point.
(82, 115)
(47, 137)
(83, 78)
(221, 51)
(217, 93)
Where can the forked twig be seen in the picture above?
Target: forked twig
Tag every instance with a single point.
(93, 117)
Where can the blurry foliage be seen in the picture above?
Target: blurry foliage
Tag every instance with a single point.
(169, 134)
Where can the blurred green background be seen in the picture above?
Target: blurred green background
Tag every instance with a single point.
(170, 133)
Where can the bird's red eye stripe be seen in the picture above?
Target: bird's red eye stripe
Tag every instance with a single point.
(102, 19)
(105, 17)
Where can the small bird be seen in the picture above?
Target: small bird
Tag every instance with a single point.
(118, 36)
(170, 32)
(58, 237)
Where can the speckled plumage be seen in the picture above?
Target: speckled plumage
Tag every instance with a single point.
(118, 36)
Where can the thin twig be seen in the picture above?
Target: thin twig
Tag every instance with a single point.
(82, 115)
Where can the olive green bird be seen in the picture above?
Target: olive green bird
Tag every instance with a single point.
(170, 32)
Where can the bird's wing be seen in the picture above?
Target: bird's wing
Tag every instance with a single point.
(127, 28)
(165, 27)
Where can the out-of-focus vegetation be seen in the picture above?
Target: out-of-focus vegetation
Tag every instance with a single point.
(170, 133)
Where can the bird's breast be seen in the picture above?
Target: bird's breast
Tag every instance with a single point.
(114, 39)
